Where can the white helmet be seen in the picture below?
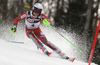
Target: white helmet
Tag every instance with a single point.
(37, 8)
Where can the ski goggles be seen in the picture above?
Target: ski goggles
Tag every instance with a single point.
(37, 10)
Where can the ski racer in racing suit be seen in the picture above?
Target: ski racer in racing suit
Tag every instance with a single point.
(32, 22)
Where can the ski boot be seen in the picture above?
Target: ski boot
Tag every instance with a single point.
(63, 55)
(46, 51)
(71, 59)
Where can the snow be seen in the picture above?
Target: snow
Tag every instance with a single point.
(23, 54)
(28, 54)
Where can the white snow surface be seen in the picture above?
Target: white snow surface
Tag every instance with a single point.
(23, 54)
(28, 54)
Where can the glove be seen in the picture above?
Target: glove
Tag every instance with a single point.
(46, 22)
(13, 30)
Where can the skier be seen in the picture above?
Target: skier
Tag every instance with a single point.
(32, 22)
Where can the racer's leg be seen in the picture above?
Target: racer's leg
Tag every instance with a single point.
(43, 39)
(39, 44)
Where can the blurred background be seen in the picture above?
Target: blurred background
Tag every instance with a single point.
(80, 16)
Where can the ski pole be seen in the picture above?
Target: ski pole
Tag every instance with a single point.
(45, 22)
(12, 31)
(13, 41)
(9, 38)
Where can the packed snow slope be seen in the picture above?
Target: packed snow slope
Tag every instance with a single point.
(23, 54)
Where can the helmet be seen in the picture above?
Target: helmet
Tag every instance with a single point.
(37, 8)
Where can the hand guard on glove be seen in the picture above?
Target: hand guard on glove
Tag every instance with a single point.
(46, 22)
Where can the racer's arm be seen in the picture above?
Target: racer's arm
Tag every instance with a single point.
(19, 18)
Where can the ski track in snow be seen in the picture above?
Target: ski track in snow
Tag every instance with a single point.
(23, 54)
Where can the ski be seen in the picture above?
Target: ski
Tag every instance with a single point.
(16, 42)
